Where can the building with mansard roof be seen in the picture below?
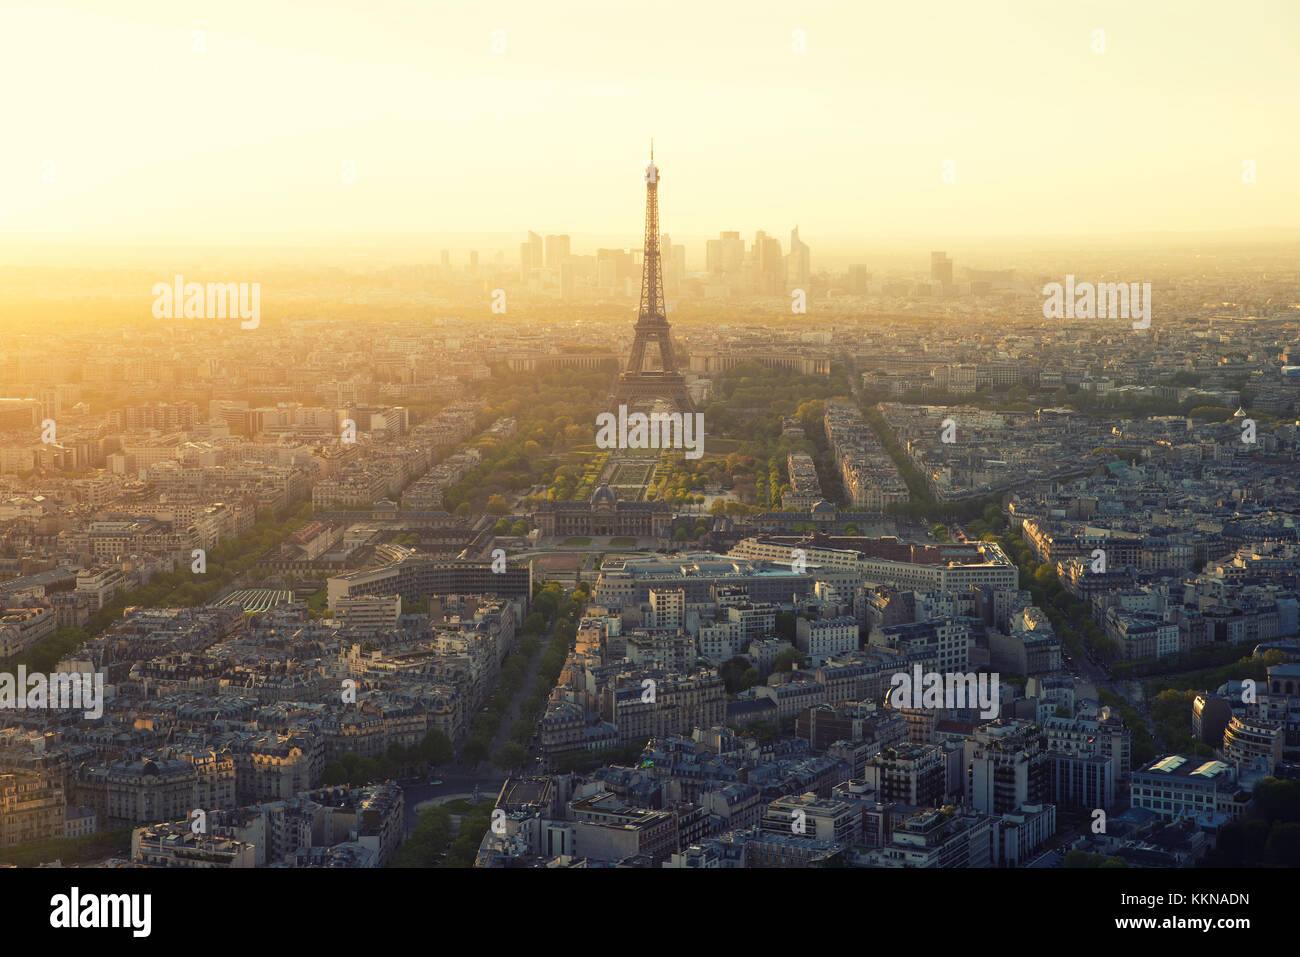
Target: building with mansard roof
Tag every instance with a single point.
(605, 514)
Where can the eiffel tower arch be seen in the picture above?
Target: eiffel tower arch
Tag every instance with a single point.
(636, 386)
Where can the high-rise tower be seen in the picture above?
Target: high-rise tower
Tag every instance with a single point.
(635, 385)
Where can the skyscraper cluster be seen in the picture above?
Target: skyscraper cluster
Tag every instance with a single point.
(763, 269)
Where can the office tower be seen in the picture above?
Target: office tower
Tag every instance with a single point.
(733, 252)
(769, 273)
(622, 261)
(798, 268)
(713, 257)
(941, 269)
(51, 405)
(858, 279)
(535, 247)
(674, 258)
(666, 257)
(566, 280)
(557, 250)
(446, 260)
(525, 260)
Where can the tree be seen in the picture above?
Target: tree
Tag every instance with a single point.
(732, 673)
(476, 750)
(787, 659)
(785, 625)
(519, 528)
(436, 748)
(1283, 846)
(521, 732)
(1277, 800)
(463, 508)
(497, 505)
(428, 842)
(510, 757)
(334, 773)
(1075, 858)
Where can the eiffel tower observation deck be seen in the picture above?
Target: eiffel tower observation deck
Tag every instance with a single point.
(635, 386)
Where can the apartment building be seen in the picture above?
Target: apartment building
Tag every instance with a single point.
(32, 808)
(814, 818)
(823, 638)
(1177, 785)
(912, 774)
(1008, 767)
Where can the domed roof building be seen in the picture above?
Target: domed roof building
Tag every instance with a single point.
(605, 514)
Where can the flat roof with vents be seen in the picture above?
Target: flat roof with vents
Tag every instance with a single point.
(1170, 764)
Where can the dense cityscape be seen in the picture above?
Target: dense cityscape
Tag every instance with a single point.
(679, 537)
(314, 572)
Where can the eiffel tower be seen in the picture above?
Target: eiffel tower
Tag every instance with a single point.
(635, 386)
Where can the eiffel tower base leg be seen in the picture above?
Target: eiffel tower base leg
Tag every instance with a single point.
(631, 391)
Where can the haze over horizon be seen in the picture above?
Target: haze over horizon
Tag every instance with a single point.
(242, 130)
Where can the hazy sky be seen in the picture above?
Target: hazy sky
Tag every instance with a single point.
(146, 136)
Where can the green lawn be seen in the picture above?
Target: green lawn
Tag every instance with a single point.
(622, 542)
(113, 843)
(720, 446)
